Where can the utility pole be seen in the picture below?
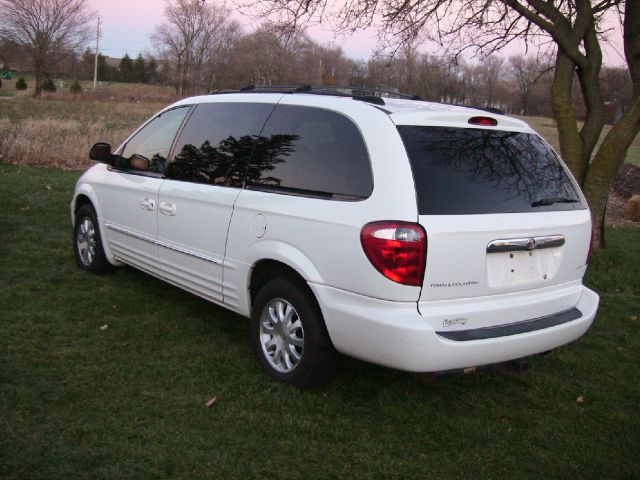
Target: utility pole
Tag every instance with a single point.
(95, 65)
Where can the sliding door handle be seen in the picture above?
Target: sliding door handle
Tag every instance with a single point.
(167, 208)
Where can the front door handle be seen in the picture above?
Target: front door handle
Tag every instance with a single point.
(148, 204)
(167, 208)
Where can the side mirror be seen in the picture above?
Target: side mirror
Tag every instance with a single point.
(100, 152)
(138, 162)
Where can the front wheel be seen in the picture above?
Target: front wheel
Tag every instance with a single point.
(289, 336)
(87, 243)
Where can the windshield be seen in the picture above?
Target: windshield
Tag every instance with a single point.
(475, 171)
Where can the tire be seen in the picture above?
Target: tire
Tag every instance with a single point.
(87, 243)
(289, 337)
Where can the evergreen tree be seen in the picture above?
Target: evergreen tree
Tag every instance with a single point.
(21, 84)
(105, 73)
(152, 70)
(75, 88)
(126, 69)
(48, 85)
(140, 70)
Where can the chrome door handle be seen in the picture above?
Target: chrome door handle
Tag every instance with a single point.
(148, 204)
(167, 208)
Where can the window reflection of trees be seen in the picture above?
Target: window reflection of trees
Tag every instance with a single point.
(227, 164)
(518, 164)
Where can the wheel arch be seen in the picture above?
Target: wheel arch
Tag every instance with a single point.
(84, 195)
(266, 269)
(81, 200)
(267, 259)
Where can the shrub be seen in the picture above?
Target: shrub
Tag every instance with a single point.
(75, 88)
(633, 208)
(48, 85)
(0, 82)
(21, 84)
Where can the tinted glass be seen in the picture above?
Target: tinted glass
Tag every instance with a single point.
(467, 171)
(309, 151)
(155, 139)
(215, 145)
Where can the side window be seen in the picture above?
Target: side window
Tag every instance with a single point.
(154, 140)
(215, 145)
(312, 152)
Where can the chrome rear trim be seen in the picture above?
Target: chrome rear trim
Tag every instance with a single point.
(525, 244)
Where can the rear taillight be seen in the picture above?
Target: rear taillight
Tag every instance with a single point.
(398, 250)
(593, 237)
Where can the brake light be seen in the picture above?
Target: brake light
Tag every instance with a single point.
(593, 236)
(398, 250)
(484, 121)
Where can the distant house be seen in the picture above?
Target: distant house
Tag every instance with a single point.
(112, 62)
(11, 66)
(16, 67)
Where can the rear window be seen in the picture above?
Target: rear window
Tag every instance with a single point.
(474, 171)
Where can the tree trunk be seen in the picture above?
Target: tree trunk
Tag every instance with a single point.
(607, 162)
(565, 115)
(37, 90)
(611, 154)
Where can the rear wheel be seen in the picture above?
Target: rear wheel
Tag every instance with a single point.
(87, 243)
(289, 336)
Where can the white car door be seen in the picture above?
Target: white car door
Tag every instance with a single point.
(129, 197)
(202, 183)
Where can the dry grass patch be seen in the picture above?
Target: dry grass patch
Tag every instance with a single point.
(59, 133)
(60, 143)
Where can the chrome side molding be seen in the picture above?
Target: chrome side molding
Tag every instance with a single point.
(525, 244)
(160, 243)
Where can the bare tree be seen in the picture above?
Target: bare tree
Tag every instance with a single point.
(491, 72)
(191, 31)
(47, 29)
(526, 73)
(573, 29)
(219, 56)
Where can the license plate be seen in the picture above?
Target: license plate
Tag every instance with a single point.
(509, 268)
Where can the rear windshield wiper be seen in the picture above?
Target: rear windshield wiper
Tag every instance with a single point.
(551, 200)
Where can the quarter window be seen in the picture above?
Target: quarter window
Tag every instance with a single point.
(154, 140)
(216, 144)
(311, 152)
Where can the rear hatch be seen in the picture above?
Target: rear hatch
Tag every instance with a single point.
(501, 212)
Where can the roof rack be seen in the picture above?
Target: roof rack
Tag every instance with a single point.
(369, 95)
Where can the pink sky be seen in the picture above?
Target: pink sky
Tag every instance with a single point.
(127, 24)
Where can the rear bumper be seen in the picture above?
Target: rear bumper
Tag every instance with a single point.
(395, 335)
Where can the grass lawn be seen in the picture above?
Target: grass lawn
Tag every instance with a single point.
(128, 401)
(633, 155)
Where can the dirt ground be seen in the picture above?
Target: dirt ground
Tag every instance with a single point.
(625, 185)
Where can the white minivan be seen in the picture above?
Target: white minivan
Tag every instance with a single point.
(420, 236)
